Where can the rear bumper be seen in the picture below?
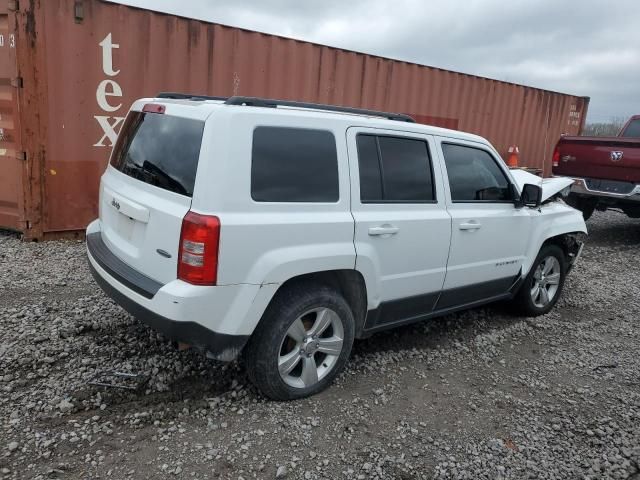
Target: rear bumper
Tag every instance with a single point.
(580, 187)
(209, 318)
(219, 345)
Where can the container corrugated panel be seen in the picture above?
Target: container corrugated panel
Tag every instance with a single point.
(10, 165)
(85, 61)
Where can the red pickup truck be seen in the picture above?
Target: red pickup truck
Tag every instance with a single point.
(606, 170)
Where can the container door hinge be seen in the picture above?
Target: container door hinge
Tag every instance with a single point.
(13, 5)
(21, 156)
(16, 82)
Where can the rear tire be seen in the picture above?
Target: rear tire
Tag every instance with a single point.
(302, 342)
(543, 285)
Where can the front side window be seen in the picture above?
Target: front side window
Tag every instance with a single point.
(294, 165)
(394, 169)
(474, 175)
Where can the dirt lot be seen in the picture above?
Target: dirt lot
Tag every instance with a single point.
(475, 395)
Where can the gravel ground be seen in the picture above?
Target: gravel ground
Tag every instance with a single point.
(475, 395)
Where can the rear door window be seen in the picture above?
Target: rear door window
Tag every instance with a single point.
(294, 165)
(161, 150)
(394, 169)
(474, 175)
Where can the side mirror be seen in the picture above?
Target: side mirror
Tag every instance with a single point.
(531, 195)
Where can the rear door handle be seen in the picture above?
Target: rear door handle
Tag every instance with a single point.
(383, 230)
(472, 225)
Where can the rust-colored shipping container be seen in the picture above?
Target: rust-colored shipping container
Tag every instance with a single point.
(69, 69)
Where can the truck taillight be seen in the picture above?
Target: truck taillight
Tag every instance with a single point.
(556, 157)
(198, 250)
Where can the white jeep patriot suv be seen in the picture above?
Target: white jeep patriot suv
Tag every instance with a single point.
(281, 231)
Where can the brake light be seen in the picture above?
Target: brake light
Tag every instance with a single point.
(198, 250)
(556, 157)
(153, 108)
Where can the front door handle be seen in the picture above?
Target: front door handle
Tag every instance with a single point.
(383, 230)
(472, 225)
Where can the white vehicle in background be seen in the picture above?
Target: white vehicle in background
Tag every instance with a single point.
(281, 231)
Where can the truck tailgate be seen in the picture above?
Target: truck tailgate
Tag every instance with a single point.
(607, 158)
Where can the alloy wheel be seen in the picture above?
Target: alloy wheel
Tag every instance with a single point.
(546, 281)
(311, 347)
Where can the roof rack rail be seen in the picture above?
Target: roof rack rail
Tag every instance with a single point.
(269, 103)
(188, 96)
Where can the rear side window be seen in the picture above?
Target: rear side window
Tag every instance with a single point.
(160, 150)
(474, 175)
(632, 130)
(294, 165)
(394, 169)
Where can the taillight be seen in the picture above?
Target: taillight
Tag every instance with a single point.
(198, 250)
(556, 157)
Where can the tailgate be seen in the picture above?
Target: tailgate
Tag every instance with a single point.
(146, 190)
(141, 226)
(599, 158)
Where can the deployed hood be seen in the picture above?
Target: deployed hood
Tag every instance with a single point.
(550, 186)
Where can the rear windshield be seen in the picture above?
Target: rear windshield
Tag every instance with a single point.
(160, 150)
(632, 130)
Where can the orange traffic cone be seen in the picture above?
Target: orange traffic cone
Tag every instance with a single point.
(514, 156)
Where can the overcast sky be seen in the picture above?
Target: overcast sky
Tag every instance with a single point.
(581, 47)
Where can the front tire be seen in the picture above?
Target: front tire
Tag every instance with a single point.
(543, 285)
(302, 342)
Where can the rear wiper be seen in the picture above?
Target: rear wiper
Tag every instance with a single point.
(134, 170)
(170, 181)
(150, 173)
